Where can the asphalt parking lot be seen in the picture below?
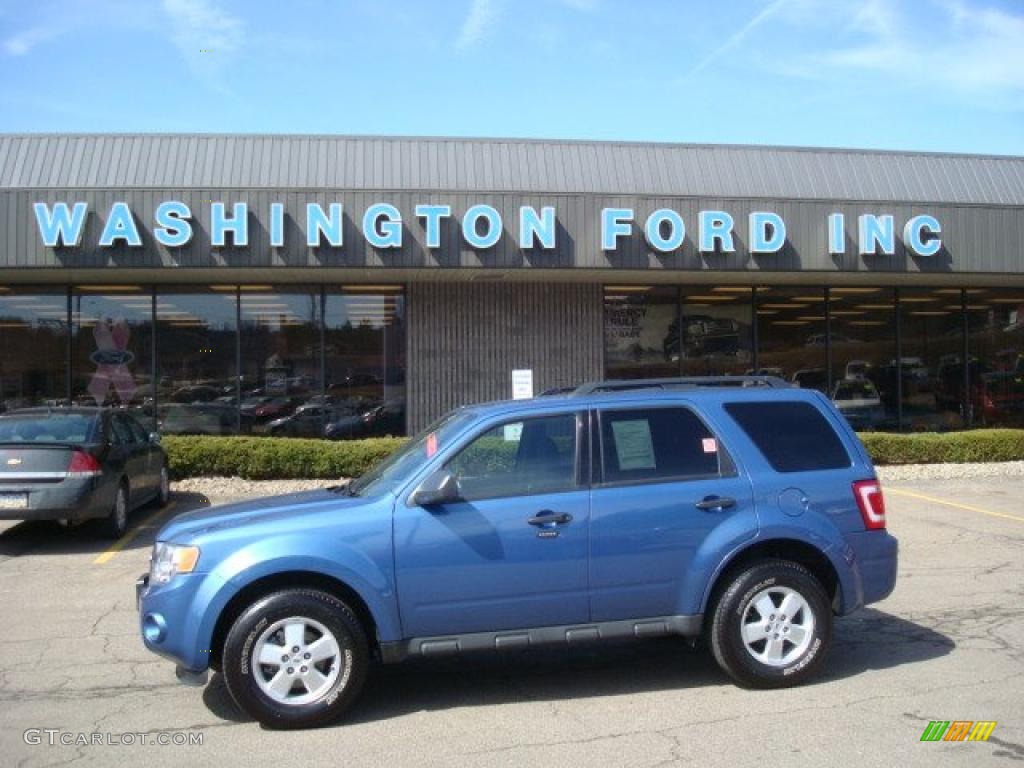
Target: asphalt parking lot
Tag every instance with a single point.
(947, 645)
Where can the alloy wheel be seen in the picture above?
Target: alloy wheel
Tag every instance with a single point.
(777, 626)
(296, 661)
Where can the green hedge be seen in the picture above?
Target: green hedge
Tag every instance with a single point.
(981, 445)
(277, 458)
(274, 458)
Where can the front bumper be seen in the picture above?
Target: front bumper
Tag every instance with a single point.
(172, 618)
(141, 584)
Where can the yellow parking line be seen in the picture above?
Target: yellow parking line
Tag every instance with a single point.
(125, 540)
(955, 505)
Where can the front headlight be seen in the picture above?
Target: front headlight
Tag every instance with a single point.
(170, 559)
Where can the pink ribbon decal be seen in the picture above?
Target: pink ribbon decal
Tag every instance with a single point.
(112, 358)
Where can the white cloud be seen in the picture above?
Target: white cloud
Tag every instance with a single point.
(737, 37)
(949, 44)
(23, 42)
(201, 25)
(478, 22)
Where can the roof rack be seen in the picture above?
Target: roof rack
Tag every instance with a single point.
(683, 382)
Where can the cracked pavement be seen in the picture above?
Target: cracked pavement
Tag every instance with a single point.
(947, 645)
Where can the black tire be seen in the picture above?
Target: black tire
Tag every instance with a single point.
(115, 524)
(770, 578)
(163, 493)
(240, 674)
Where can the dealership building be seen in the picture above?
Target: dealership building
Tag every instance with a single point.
(219, 283)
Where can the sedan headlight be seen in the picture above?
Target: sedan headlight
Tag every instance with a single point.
(171, 559)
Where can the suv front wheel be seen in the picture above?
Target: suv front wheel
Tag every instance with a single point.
(295, 659)
(772, 626)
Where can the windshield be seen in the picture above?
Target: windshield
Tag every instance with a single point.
(401, 465)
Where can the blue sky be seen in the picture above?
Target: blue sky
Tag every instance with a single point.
(942, 75)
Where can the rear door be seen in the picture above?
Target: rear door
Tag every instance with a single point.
(125, 443)
(665, 484)
(512, 553)
(153, 454)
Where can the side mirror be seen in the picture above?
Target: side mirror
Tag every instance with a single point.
(154, 438)
(441, 487)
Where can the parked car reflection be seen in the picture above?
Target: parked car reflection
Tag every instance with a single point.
(859, 402)
(386, 419)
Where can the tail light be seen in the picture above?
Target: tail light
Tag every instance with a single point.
(871, 503)
(83, 464)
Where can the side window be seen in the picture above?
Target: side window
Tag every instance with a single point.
(139, 433)
(521, 457)
(792, 436)
(656, 444)
(120, 430)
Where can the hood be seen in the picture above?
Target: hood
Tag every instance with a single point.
(255, 511)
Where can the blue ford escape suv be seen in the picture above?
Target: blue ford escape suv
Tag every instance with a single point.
(738, 508)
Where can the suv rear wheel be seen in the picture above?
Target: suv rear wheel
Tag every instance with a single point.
(295, 659)
(772, 626)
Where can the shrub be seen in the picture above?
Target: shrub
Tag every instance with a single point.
(274, 458)
(949, 447)
(284, 458)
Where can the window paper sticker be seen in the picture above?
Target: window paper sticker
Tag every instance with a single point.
(634, 447)
(710, 445)
(512, 432)
(431, 444)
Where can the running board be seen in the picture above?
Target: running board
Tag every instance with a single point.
(570, 634)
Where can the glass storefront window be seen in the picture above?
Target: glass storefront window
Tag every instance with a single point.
(112, 338)
(33, 347)
(931, 357)
(713, 334)
(791, 336)
(364, 384)
(995, 338)
(863, 345)
(641, 331)
(195, 362)
(280, 338)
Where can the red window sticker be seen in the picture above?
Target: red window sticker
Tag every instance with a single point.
(431, 444)
(710, 445)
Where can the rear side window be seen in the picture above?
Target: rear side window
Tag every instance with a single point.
(792, 436)
(656, 444)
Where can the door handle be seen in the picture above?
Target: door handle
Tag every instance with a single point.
(546, 517)
(709, 503)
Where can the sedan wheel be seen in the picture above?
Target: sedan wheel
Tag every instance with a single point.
(164, 494)
(116, 524)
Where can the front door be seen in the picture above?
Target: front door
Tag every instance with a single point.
(512, 553)
(666, 484)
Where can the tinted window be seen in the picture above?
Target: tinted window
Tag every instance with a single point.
(64, 428)
(793, 437)
(522, 457)
(121, 430)
(650, 444)
(139, 432)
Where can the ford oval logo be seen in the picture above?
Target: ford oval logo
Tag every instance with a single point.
(112, 357)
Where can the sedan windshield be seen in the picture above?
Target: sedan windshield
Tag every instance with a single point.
(47, 428)
(404, 462)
